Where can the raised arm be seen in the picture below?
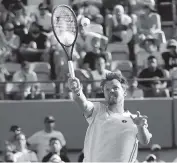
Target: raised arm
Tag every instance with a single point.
(79, 97)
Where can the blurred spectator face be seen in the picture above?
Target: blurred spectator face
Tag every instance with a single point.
(43, 9)
(152, 63)
(35, 29)
(133, 83)
(156, 84)
(9, 30)
(55, 146)
(146, 10)
(18, 12)
(21, 140)
(118, 11)
(150, 46)
(49, 123)
(99, 19)
(172, 49)
(101, 64)
(15, 130)
(25, 67)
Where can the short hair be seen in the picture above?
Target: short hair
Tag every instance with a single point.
(114, 75)
(54, 139)
(151, 57)
(101, 56)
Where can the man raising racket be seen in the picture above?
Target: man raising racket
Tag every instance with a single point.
(113, 133)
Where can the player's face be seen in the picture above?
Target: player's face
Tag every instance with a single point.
(113, 92)
(55, 146)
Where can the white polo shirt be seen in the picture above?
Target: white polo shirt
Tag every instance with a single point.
(110, 137)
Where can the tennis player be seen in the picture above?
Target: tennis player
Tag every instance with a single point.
(113, 133)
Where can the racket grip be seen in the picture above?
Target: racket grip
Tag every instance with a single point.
(71, 69)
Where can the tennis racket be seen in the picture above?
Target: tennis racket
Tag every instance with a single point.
(65, 28)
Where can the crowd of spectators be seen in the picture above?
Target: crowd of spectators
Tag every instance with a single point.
(49, 145)
(34, 66)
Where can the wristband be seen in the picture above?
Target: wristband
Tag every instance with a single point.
(78, 91)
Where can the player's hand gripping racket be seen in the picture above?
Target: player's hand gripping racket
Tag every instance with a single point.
(64, 24)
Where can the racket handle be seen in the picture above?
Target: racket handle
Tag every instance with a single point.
(71, 69)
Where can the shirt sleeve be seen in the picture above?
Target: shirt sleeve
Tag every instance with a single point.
(33, 139)
(96, 110)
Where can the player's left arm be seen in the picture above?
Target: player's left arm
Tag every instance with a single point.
(143, 135)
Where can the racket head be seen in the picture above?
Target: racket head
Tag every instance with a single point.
(64, 25)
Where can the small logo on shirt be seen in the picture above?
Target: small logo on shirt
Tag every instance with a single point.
(124, 121)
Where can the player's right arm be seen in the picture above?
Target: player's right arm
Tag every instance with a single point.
(79, 97)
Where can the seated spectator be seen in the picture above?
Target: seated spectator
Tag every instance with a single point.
(98, 75)
(149, 23)
(43, 17)
(39, 141)
(21, 89)
(54, 154)
(150, 48)
(118, 28)
(156, 149)
(21, 20)
(152, 71)
(21, 17)
(35, 45)
(96, 48)
(15, 130)
(170, 56)
(156, 90)
(85, 37)
(11, 43)
(133, 91)
(23, 154)
(36, 93)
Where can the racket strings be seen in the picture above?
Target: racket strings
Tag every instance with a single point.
(64, 21)
(65, 28)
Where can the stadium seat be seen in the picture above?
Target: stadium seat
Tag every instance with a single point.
(42, 69)
(119, 51)
(125, 66)
(12, 67)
